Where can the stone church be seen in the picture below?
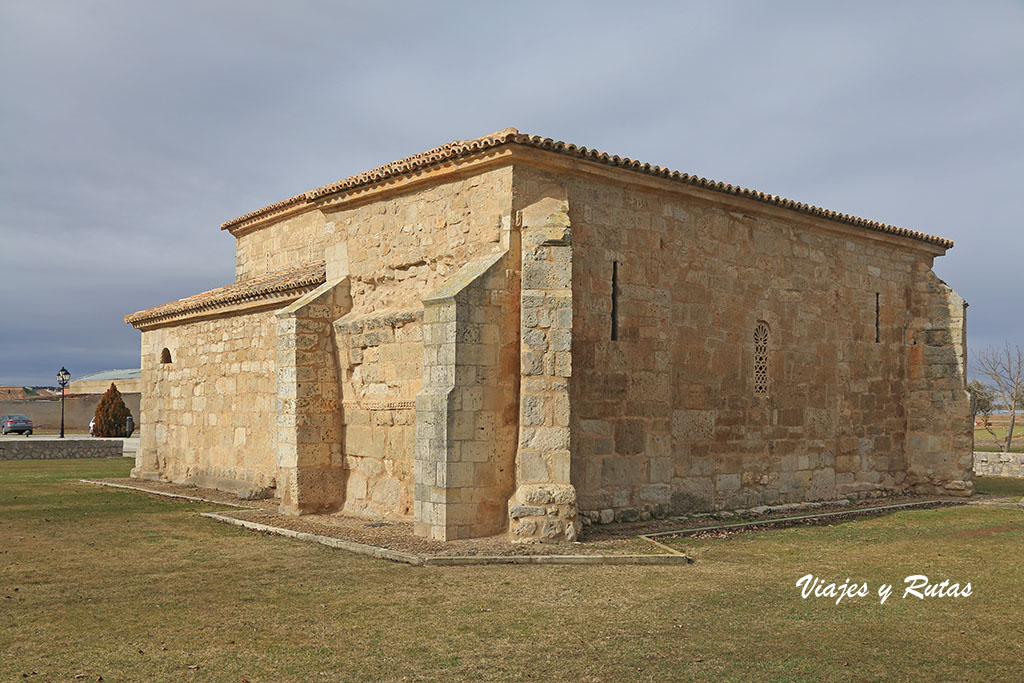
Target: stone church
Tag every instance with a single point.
(510, 334)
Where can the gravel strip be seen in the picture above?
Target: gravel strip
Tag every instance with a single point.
(188, 492)
(673, 557)
(725, 530)
(398, 535)
(393, 535)
(595, 532)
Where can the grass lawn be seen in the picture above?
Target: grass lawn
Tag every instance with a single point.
(101, 582)
(983, 441)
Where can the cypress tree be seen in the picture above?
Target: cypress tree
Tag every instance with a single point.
(111, 414)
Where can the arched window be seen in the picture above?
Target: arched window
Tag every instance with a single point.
(761, 338)
(165, 356)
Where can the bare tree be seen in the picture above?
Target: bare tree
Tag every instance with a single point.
(983, 403)
(1004, 370)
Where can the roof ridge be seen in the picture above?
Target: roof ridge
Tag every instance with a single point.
(460, 148)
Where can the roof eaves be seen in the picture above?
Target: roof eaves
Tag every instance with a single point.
(291, 280)
(454, 150)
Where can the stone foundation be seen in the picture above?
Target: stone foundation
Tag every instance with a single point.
(543, 512)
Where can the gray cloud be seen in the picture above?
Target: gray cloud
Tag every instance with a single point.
(130, 130)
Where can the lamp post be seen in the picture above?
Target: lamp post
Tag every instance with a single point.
(62, 379)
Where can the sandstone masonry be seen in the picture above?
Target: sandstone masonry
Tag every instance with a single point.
(511, 334)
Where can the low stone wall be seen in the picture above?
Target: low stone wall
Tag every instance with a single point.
(999, 464)
(56, 449)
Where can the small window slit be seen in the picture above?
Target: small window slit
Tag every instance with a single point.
(615, 300)
(878, 328)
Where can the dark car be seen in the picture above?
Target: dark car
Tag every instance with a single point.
(15, 423)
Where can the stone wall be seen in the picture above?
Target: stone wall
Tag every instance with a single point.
(285, 243)
(999, 464)
(78, 410)
(400, 247)
(33, 448)
(380, 355)
(208, 415)
(666, 417)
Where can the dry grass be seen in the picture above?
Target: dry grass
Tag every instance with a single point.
(101, 582)
(985, 442)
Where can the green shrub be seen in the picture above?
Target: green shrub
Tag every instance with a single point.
(111, 414)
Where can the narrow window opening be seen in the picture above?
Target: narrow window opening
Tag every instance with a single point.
(878, 329)
(165, 356)
(615, 300)
(761, 338)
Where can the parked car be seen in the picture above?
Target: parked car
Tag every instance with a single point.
(15, 423)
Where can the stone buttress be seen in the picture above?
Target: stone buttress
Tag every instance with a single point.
(940, 430)
(308, 420)
(545, 506)
(466, 410)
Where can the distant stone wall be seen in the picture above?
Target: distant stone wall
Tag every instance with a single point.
(52, 449)
(126, 385)
(78, 410)
(999, 464)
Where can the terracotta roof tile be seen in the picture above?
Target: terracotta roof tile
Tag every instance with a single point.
(461, 148)
(305, 275)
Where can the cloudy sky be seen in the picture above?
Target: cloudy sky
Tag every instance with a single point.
(129, 129)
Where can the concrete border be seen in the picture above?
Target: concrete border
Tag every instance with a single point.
(673, 558)
(351, 546)
(165, 494)
(676, 558)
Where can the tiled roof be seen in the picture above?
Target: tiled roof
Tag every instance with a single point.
(305, 275)
(462, 148)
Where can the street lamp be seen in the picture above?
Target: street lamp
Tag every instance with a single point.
(62, 379)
